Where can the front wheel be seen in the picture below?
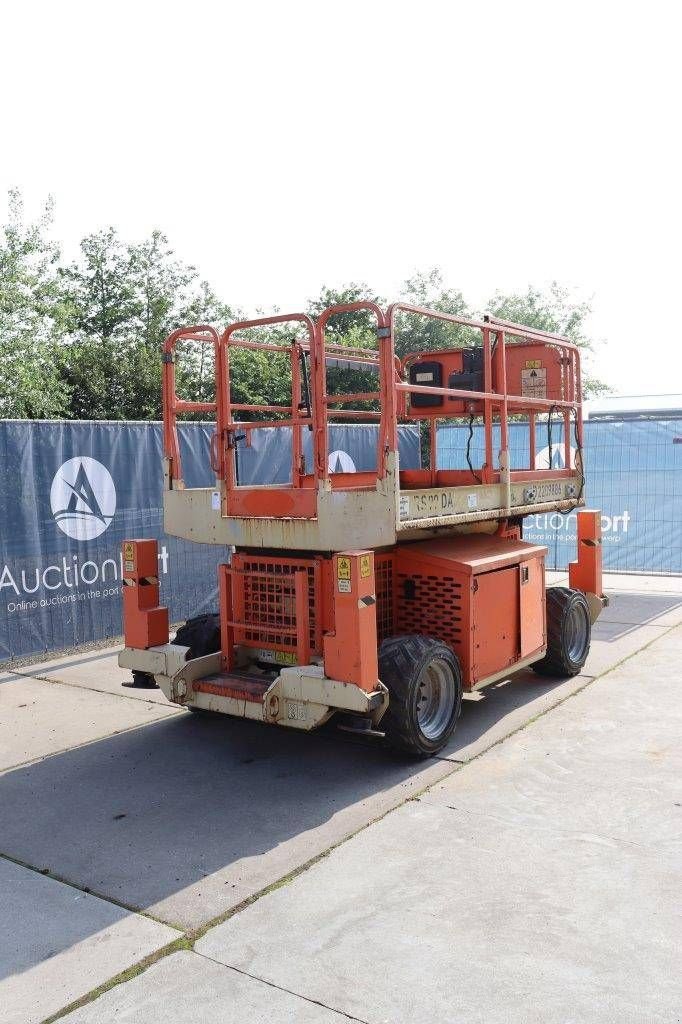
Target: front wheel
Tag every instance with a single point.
(424, 683)
(569, 631)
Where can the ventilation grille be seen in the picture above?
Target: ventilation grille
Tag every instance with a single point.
(271, 601)
(431, 605)
(383, 577)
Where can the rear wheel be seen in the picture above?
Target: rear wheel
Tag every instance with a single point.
(201, 635)
(569, 630)
(425, 693)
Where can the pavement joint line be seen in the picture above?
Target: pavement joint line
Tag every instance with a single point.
(43, 657)
(638, 625)
(93, 689)
(128, 974)
(48, 873)
(167, 713)
(280, 988)
(192, 935)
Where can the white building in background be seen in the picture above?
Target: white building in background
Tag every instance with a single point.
(634, 407)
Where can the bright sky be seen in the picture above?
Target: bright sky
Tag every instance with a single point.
(283, 146)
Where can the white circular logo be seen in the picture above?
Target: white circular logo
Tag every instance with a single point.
(542, 457)
(341, 462)
(83, 498)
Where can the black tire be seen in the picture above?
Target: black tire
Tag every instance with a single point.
(142, 681)
(408, 723)
(201, 635)
(569, 630)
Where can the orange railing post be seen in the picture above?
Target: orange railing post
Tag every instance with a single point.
(172, 405)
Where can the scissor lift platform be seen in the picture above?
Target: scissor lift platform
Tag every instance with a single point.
(375, 509)
(379, 595)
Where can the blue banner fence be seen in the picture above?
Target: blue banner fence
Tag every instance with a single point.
(633, 471)
(70, 492)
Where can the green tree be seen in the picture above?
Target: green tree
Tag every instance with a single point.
(416, 333)
(356, 330)
(96, 362)
(125, 300)
(195, 372)
(33, 317)
(100, 289)
(361, 323)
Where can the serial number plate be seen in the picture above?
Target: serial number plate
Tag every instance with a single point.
(548, 490)
(452, 501)
(426, 504)
(275, 657)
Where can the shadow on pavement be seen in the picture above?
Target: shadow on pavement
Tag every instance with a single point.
(188, 816)
(141, 816)
(628, 612)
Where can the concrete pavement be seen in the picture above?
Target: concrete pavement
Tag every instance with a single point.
(57, 942)
(540, 883)
(184, 819)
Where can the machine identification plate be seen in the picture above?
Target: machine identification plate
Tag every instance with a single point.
(548, 490)
(427, 504)
(275, 657)
(453, 501)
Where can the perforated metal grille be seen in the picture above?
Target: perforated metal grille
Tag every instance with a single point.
(383, 574)
(271, 601)
(431, 605)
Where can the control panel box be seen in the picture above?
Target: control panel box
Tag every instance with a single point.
(532, 371)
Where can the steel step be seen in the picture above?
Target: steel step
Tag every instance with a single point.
(238, 686)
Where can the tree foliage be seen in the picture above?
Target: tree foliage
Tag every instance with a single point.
(416, 333)
(33, 317)
(83, 340)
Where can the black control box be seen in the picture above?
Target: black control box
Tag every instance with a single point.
(429, 375)
(471, 377)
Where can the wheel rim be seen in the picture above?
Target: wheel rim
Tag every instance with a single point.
(436, 697)
(577, 633)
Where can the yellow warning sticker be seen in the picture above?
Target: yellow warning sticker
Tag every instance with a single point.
(365, 569)
(343, 568)
(129, 551)
(533, 364)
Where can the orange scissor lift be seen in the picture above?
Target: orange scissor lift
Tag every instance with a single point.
(380, 596)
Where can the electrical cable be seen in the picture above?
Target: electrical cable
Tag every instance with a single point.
(579, 452)
(552, 410)
(468, 453)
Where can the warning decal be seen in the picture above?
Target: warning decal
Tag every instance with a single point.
(364, 566)
(534, 382)
(128, 557)
(343, 568)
